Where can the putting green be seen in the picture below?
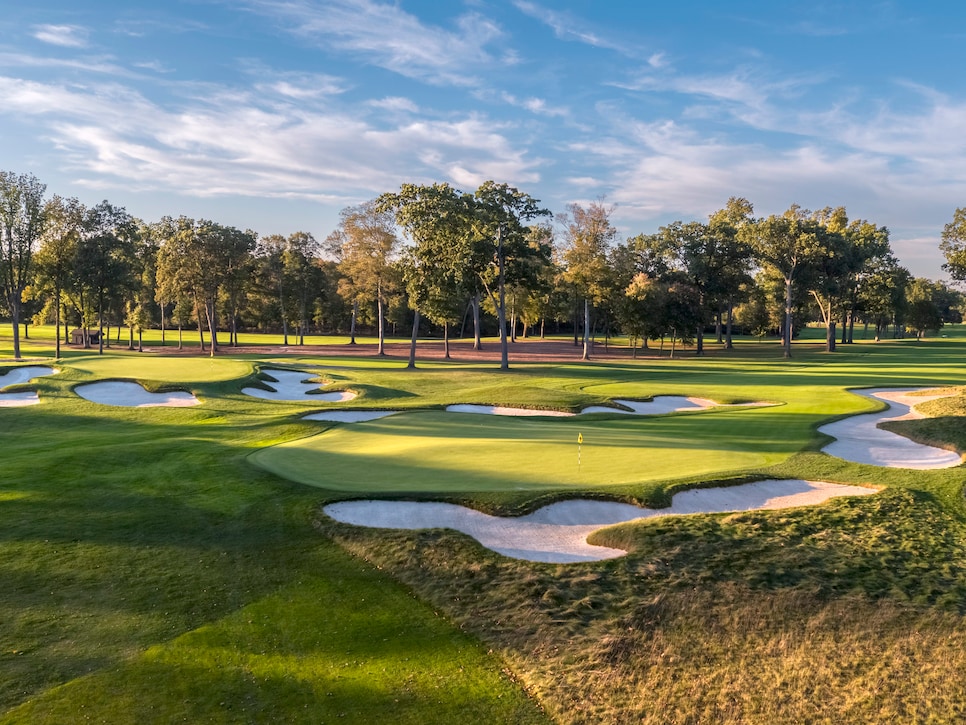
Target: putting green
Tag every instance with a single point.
(162, 369)
(432, 451)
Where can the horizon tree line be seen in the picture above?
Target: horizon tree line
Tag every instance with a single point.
(434, 254)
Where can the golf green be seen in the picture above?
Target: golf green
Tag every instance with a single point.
(446, 452)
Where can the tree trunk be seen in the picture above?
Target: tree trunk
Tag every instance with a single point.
(787, 342)
(100, 327)
(381, 350)
(140, 341)
(674, 334)
(501, 308)
(830, 335)
(477, 342)
(729, 343)
(718, 325)
(412, 344)
(211, 313)
(699, 340)
(57, 324)
(513, 324)
(180, 338)
(543, 321)
(576, 315)
(586, 355)
(201, 328)
(446, 340)
(352, 322)
(302, 320)
(15, 319)
(162, 325)
(281, 307)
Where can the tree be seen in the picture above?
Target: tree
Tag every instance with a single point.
(176, 273)
(57, 257)
(866, 245)
(196, 260)
(641, 309)
(503, 248)
(105, 252)
(303, 274)
(828, 274)
(923, 313)
(366, 246)
(589, 235)
(788, 244)
(731, 266)
(22, 220)
(953, 245)
(437, 268)
(882, 292)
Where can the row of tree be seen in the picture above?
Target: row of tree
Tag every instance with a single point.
(438, 254)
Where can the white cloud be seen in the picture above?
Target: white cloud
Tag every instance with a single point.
(387, 36)
(537, 106)
(230, 142)
(66, 36)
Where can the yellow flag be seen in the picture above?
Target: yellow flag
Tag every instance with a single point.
(580, 438)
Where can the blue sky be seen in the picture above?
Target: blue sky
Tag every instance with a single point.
(275, 114)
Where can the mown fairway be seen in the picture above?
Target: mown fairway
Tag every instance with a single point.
(152, 573)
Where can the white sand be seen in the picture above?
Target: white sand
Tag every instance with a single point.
(294, 385)
(132, 395)
(16, 376)
(350, 416)
(501, 410)
(860, 440)
(659, 405)
(558, 533)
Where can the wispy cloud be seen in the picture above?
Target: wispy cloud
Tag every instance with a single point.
(395, 104)
(383, 34)
(568, 27)
(229, 142)
(67, 36)
(101, 65)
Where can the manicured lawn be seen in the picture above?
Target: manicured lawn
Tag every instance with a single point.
(152, 573)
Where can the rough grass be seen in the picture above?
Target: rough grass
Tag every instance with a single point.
(849, 612)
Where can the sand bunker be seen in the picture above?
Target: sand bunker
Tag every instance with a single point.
(501, 410)
(350, 416)
(293, 385)
(860, 440)
(132, 395)
(16, 376)
(558, 533)
(660, 405)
